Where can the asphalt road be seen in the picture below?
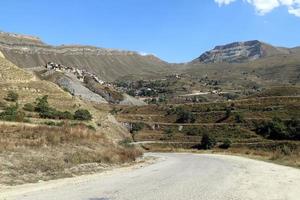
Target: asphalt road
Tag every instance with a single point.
(175, 177)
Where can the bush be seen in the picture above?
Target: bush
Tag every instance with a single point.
(42, 104)
(184, 116)
(228, 112)
(136, 127)
(207, 141)
(28, 107)
(82, 114)
(12, 113)
(45, 111)
(12, 96)
(239, 118)
(279, 130)
(226, 144)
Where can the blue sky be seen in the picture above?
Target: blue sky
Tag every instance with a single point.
(174, 30)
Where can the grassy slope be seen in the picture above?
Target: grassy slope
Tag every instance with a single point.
(30, 151)
(273, 70)
(108, 67)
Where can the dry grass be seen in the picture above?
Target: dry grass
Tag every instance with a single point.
(33, 153)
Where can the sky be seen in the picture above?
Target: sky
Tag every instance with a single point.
(174, 30)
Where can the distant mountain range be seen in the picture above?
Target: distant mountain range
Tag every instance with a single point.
(271, 63)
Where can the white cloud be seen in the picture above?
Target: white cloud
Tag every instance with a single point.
(295, 11)
(263, 7)
(224, 2)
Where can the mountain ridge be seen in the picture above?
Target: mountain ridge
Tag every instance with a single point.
(240, 52)
(109, 64)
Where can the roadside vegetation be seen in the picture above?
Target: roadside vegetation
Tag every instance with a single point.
(40, 142)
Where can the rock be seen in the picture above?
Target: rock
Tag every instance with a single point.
(239, 52)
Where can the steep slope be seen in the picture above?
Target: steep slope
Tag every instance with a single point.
(240, 52)
(29, 88)
(109, 64)
(44, 147)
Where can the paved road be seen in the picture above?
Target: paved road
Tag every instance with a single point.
(176, 177)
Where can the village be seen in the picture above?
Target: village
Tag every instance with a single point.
(79, 73)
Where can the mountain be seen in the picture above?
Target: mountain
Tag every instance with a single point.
(108, 64)
(240, 52)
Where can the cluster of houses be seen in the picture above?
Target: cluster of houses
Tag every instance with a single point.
(79, 73)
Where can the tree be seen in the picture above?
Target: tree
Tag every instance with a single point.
(185, 117)
(207, 141)
(136, 127)
(82, 114)
(12, 96)
(42, 104)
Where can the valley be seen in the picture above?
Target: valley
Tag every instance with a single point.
(74, 109)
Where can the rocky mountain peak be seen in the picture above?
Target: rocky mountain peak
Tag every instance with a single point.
(233, 52)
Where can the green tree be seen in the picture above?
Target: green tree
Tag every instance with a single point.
(184, 116)
(136, 127)
(42, 104)
(207, 141)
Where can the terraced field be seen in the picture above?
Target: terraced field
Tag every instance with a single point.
(237, 121)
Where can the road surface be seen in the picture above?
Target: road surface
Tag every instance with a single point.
(174, 177)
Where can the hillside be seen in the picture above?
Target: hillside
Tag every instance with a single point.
(108, 64)
(42, 138)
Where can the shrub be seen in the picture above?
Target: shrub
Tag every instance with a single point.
(28, 107)
(226, 144)
(11, 113)
(82, 114)
(45, 111)
(136, 127)
(12, 96)
(228, 112)
(239, 118)
(42, 104)
(279, 130)
(184, 116)
(65, 115)
(207, 141)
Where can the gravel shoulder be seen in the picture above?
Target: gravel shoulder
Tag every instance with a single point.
(174, 176)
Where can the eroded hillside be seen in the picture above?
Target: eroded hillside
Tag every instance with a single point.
(47, 133)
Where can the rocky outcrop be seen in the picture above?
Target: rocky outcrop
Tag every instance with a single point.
(239, 52)
(75, 87)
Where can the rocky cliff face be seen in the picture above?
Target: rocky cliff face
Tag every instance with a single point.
(239, 52)
(108, 64)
